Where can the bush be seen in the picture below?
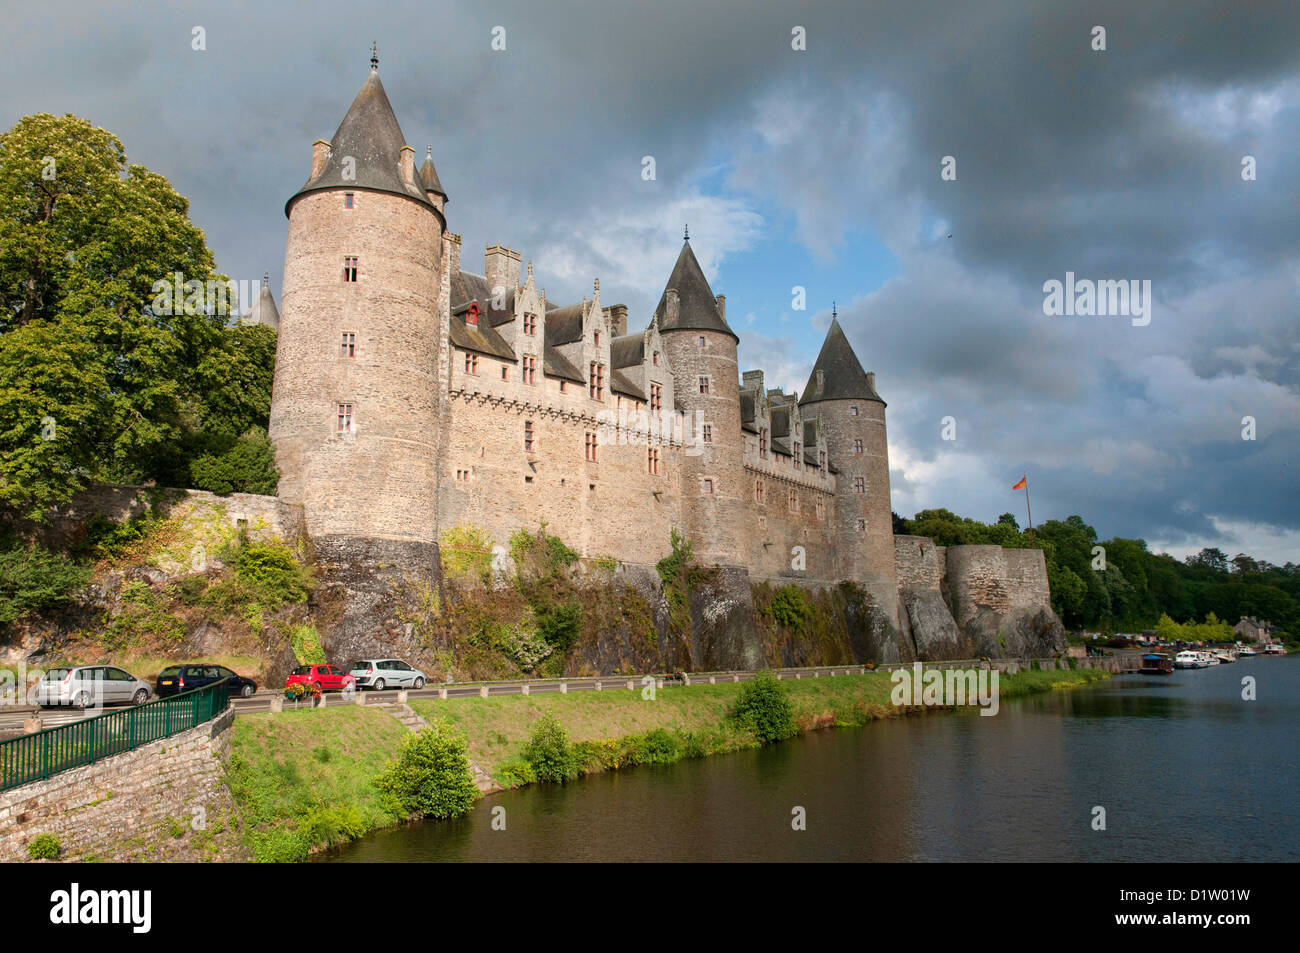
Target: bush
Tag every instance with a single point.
(431, 776)
(560, 625)
(549, 752)
(305, 642)
(763, 708)
(280, 846)
(246, 466)
(273, 573)
(33, 579)
(789, 607)
(106, 539)
(515, 772)
(43, 847)
(466, 551)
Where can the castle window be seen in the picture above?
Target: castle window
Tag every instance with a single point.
(349, 269)
(857, 446)
(708, 487)
(530, 441)
(348, 347)
(529, 370)
(704, 383)
(853, 411)
(701, 340)
(798, 458)
(528, 479)
(708, 433)
(505, 373)
(821, 509)
(591, 447)
(530, 324)
(794, 501)
(758, 491)
(656, 397)
(345, 418)
(762, 443)
(471, 363)
(652, 461)
(859, 485)
(462, 476)
(821, 459)
(596, 338)
(597, 382)
(349, 199)
(862, 526)
(563, 388)
(656, 358)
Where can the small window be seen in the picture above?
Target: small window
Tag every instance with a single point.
(708, 487)
(862, 526)
(656, 358)
(820, 509)
(859, 485)
(758, 491)
(349, 200)
(348, 347)
(597, 382)
(794, 501)
(462, 476)
(762, 443)
(505, 373)
(591, 447)
(471, 316)
(853, 411)
(708, 433)
(345, 418)
(596, 338)
(704, 384)
(798, 458)
(530, 324)
(701, 340)
(349, 269)
(471, 363)
(528, 479)
(528, 369)
(652, 461)
(656, 397)
(530, 443)
(563, 390)
(857, 446)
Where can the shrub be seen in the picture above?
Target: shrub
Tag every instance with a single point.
(305, 642)
(273, 573)
(466, 551)
(280, 846)
(763, 708)
(549, 752)
(431, 776)
(33, 579)
(789, 607)
(330, 823)
(515, 772)
(107, 539)
(540, 556)
(559, 625)
(246, 466)
(43, 847)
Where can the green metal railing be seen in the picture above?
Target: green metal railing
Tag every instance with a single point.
(45, 753)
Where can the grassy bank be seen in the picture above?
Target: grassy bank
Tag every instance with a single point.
(305, 779)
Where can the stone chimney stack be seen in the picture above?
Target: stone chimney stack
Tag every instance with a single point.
(673, 307)
(753, 379)
(501, 266)
(617, 314)
(453, 257)
(871, 379)
(722, 306)
(320, 154)
(406, 164)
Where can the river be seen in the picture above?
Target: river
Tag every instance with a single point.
(1184, 768)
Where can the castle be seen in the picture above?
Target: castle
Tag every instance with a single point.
(411, 396)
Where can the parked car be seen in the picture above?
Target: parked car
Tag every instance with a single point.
(386, 673)
(175, 679)
(89, 686)
(328, 678)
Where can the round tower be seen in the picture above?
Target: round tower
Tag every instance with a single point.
(851, 415)
(701, 352)
(355, 405)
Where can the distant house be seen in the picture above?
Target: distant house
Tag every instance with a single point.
(1250, 629)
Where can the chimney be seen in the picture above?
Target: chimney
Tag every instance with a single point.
(752, 380)
(871, 381)
(501, 266)
(453, 254)
(670, 312)
(821, 381)
(320, 154)
(406, 164)
(722, 306)
(617, 314)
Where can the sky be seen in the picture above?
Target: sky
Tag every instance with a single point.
(819, 169)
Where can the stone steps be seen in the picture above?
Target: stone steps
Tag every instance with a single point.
(414, 722)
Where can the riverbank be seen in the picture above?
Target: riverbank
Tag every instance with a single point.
(303, 780)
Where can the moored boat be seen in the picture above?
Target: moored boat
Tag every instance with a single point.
(1246, 652)
(1225, 656)
(1157, 664)
(1275, 648)
(1186, 659)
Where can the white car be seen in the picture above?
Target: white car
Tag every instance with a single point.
(90, 686)
(384, 673)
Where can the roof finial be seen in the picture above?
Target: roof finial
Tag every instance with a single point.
(428, 151)
(686, 236)
(266, 278)
(374, 57)
(834, 314)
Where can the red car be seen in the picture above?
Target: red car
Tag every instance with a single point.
(328, 678)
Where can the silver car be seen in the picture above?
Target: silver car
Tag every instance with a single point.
(90, 686)
(381, 673)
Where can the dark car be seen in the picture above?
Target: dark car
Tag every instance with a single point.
(184, 678)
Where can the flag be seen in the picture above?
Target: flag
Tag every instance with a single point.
(1021, 485)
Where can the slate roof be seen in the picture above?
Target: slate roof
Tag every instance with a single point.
(370, 134)
(842, 376)
(781, 447)
(747, 412)
(627, 350)
(263, 310)
(563, 325)
(484, 338)
(467, 286)
(555, 364)
(620, 383)
(430, 175)
(697, 308)
(780, 423)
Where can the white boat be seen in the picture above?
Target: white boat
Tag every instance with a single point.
(1207, 659)
(1225, 657)
(1187, 660)
(1246, 652)
(1275, 648)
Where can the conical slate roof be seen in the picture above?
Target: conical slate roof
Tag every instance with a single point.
(842, 377)
(697, 308)
(430, 175)
(370, 136)
(263, 310)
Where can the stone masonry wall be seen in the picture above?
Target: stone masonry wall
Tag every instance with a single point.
(126, 805)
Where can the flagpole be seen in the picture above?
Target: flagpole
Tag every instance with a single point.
(1027, 509)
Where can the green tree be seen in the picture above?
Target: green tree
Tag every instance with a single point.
(431, 776)
(94, 385)
(763, 708)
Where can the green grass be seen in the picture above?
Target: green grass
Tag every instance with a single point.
(304, 779)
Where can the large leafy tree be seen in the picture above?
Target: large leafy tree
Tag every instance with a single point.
(94, 385)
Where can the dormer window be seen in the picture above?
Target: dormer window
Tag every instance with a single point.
(471, 316)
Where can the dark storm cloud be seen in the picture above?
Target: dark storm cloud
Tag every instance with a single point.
(1122, 164)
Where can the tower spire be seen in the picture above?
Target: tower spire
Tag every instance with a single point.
(374, 57)
(686, 234)
(834, 314)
